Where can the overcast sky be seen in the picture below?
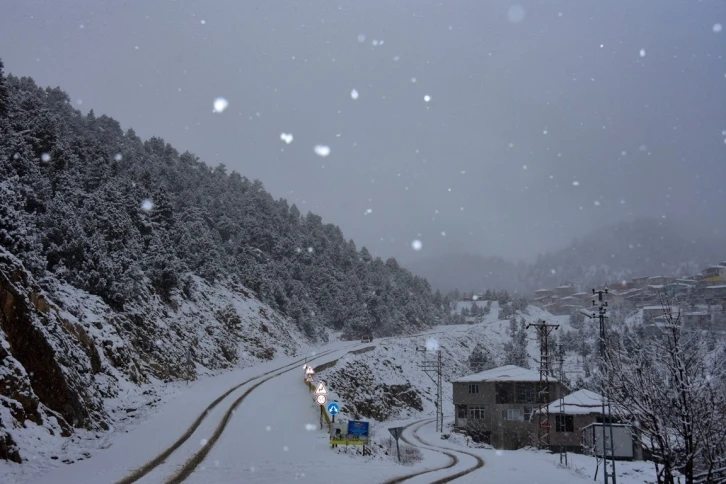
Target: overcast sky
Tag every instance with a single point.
(545, 119)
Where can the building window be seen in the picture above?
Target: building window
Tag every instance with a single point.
(525, 393)
(476, 412)
(505, 392)
(512, 414)
(527, 413)
(564, 423)
(473, 388)
(462, 411)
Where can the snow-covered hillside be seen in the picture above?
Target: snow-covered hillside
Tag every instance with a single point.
(75, 370)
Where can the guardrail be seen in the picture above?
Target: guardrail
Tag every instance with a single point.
(331, 364)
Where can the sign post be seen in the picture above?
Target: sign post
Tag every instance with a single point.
(396, 433)
(321, 397)
(333, 409)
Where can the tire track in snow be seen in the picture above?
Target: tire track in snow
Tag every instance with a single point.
(454, 459)
(193, 462)
(162, 457)
(451, 453)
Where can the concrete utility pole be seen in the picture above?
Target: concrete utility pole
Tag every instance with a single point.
(608, 450)
(544, 330)
(433, 369)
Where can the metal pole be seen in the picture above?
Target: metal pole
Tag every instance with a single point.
(398, 452)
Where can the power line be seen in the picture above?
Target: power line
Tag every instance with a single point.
(432, 368)
(608, 450)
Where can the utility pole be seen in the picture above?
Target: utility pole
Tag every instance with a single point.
(433, 369)
(608, 451)
(544, 330)
(561, 367)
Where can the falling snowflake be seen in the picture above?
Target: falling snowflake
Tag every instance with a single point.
(309, 427)
(252, 468)
(310, 250)
(374, 43)
(597, 203)
(147, 205)
(622, 202)
(45, 157)
(361, 38)
(286, 137)
(413, 80)
(220, 104)
(576, 183)
(427, 98)
(443, 234)
(416, 244)
(432, 344)
(717, 28)
(158, 342)
(499, 452)
(203, 442)
(322, 150)
(516, 13)
(544, 131)
(354, 94)
(553, 271)
(285, 448)
(268, 428)
(642, 52)
(524, 167)
(202, 21)
(623, 153)
(118, 157)
(369, 211)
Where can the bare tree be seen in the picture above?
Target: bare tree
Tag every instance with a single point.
(670, 386)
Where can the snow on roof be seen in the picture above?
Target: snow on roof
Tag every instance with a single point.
(580, 402)
(543, 290)
(504, 373)
(720, 286)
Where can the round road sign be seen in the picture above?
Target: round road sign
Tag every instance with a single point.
(321, 399)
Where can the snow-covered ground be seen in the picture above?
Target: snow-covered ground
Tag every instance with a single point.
(530, 466)
(274, 435)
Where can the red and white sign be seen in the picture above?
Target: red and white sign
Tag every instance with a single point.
(321, 390)
(321, 399)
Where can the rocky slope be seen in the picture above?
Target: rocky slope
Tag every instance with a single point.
(71, 365)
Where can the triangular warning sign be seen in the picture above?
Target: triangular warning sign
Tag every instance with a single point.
(321, 390)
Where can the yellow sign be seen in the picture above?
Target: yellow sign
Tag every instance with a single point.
(348, 442)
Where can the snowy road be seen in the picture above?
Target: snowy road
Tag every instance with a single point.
(131, 451)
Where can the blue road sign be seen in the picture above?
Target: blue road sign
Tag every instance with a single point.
(358, 427)
(333, 408)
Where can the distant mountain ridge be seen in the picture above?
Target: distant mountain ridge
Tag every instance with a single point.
(643, 247)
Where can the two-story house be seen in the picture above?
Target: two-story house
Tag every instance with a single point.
(495, 405)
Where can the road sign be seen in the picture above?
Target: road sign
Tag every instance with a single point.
(321, 399)
(309, 378)
(321, 390)
(396, 432)
(309, 370)
(358, 427)
(333, 408)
